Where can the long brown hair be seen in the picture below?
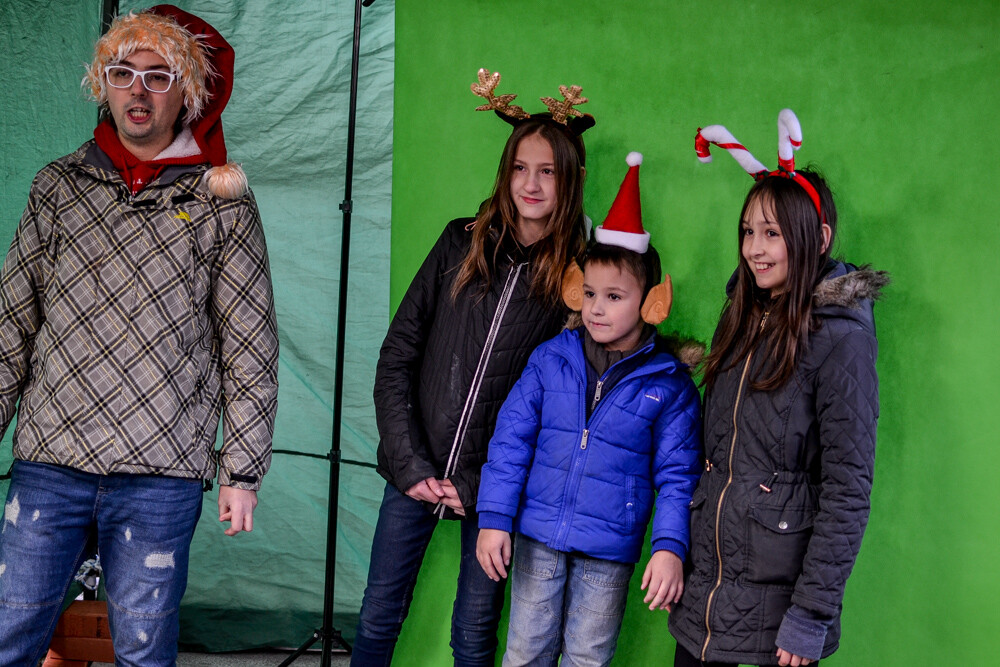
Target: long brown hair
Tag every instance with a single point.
(496, 224)
(789, 314)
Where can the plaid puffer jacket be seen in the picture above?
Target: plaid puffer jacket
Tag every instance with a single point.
(779, 513)
(127, 325)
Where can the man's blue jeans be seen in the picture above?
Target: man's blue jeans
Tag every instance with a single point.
(402, 534)
(564, 603)
(142, 527)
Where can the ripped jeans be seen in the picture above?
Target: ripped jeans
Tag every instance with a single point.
(142, 527)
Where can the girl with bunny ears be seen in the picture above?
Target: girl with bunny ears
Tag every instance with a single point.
(791, 405)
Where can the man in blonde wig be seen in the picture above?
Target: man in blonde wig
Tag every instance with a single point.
(135, 308)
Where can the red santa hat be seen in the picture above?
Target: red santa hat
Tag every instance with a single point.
(623, 226)
(203, 61)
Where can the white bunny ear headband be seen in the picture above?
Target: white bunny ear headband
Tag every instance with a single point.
(789, 141)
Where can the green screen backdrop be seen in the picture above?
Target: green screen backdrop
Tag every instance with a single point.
(898, 105)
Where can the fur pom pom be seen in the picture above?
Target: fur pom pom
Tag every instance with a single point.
(228, 181)
(633, 159)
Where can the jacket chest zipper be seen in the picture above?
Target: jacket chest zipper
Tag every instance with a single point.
(722, 496)
(572, 483)
(477, 378)
(597, 395)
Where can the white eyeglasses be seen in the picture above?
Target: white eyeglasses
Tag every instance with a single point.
(155, 81)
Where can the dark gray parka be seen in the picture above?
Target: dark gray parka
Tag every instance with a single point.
(779, 513)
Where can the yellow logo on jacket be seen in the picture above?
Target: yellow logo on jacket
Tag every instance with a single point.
(183, 216)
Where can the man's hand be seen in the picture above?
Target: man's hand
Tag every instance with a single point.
(236, 506)
(664, 576)
(493, 552)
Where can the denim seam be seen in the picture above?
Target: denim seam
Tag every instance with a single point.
(43, 650)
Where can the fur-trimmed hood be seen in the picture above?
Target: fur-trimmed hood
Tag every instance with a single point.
(847, 285)
(849, 292)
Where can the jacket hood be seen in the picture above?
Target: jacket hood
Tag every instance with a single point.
(849, 292)
(659, 350)
(689, 351)
(207, 127)
(846, 291)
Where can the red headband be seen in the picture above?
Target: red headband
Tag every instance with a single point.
(789, 141)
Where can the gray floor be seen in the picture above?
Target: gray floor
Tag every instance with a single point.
(250, 659)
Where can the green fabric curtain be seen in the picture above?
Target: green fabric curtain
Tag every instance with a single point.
(287, 125)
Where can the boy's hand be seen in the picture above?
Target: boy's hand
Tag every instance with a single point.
(664, 577)
(493, 552)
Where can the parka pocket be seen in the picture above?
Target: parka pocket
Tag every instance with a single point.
(777, 539)
(701, 529)
(630, 502)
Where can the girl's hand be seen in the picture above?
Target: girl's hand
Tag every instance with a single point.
(785, 658)
(429, 491)
(449, 497)
(664, 576)
(493, 552)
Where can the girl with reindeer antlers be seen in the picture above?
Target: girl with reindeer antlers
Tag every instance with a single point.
(487, 294)
(791, 405)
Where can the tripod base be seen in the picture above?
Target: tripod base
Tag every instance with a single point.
(335, 641)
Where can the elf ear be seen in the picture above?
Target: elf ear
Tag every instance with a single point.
(572, 287)
(656, 307)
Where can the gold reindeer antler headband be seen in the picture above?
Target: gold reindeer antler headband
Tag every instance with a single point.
(561, 112)
(487, 84)
(571, 97)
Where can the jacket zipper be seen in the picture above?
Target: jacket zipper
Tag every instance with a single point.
(573, 479)
(477, 378)
(597, 395)
(722, 496)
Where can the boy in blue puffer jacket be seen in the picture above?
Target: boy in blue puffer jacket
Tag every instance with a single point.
(602, 418)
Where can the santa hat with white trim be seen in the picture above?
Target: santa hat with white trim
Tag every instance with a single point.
(203, 61)
(623, 226)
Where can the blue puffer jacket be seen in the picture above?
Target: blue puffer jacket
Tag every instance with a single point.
(579, 484)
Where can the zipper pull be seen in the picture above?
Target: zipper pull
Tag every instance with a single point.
(766, 488)
(763, 320)
(583, 442)
(597, 395)
(708, 466)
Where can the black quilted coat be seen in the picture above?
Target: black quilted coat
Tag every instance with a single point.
(446, 365)
(778, 516)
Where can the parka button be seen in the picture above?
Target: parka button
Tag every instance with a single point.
(783, 525)
(628, 506)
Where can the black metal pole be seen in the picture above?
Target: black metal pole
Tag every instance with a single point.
(331, 636)
(109, 10)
